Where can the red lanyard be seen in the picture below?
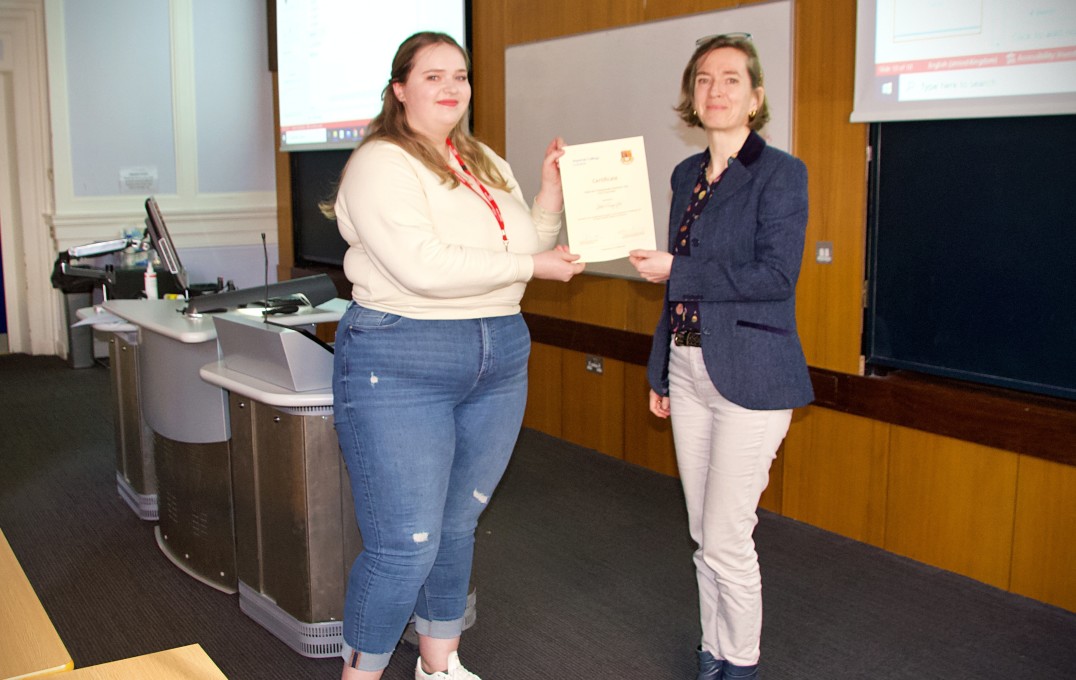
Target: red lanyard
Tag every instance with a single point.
(480, 191)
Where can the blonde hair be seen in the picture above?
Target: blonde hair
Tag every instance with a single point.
(391, 124)
(686, 107)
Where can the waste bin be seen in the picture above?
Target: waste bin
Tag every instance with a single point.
(80, 339)
(78, 293)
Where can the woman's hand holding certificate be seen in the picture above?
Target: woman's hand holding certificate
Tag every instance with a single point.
(607, 199)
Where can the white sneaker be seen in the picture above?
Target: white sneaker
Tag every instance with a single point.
(455, 671)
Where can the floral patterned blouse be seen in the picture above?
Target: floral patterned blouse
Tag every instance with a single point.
(684, 315)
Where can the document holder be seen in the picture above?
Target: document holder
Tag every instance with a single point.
(273, 353)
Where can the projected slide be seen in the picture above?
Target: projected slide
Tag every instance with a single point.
(982, 51)
(334, 58)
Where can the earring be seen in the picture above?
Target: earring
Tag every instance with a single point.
(752, 114)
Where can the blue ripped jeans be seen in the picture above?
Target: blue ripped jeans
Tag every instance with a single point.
(427, 413)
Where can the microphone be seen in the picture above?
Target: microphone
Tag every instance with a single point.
(265, 259)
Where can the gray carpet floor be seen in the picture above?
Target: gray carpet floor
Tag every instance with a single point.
(583, 571)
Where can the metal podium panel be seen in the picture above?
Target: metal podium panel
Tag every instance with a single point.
(296, 530)
(196, 530)
(136, 475)
(296, 534)
(189, 421)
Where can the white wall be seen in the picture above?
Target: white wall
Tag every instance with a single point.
(178, 94)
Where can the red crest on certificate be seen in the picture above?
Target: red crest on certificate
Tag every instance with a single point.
(607, 207)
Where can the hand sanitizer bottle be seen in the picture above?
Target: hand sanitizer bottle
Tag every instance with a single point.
(150, 281)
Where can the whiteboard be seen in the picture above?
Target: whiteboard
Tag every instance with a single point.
(624, 82)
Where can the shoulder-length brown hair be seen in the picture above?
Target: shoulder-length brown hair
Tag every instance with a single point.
(391, 123)
(686, 107)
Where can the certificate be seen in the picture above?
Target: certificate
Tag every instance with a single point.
(607, 199)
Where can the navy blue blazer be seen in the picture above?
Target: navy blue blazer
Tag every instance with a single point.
(746, 249)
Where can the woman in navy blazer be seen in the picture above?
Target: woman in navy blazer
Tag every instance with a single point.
(726, 362)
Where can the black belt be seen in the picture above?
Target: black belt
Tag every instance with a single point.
(687, 339)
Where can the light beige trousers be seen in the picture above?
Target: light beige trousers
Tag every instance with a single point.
(723, 452)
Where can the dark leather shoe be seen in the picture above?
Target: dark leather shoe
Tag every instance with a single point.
(709, 667)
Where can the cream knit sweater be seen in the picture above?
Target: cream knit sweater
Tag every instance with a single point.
(422, 250)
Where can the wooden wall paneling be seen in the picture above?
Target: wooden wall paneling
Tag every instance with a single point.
(530, 20)
(835, 468)
(1044, 542)
(592, 404)
(665, 9)
(326, 332)
(1038, 425)
(548, 298)
(829, 311)
(544, 390)
(1002, 419)
(645, 305)
(598, 300)
(647, 439)
(951, 504)
(487, 65)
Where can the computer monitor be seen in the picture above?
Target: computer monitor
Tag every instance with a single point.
(162, 243)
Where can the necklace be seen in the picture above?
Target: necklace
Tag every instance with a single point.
(481, 191)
